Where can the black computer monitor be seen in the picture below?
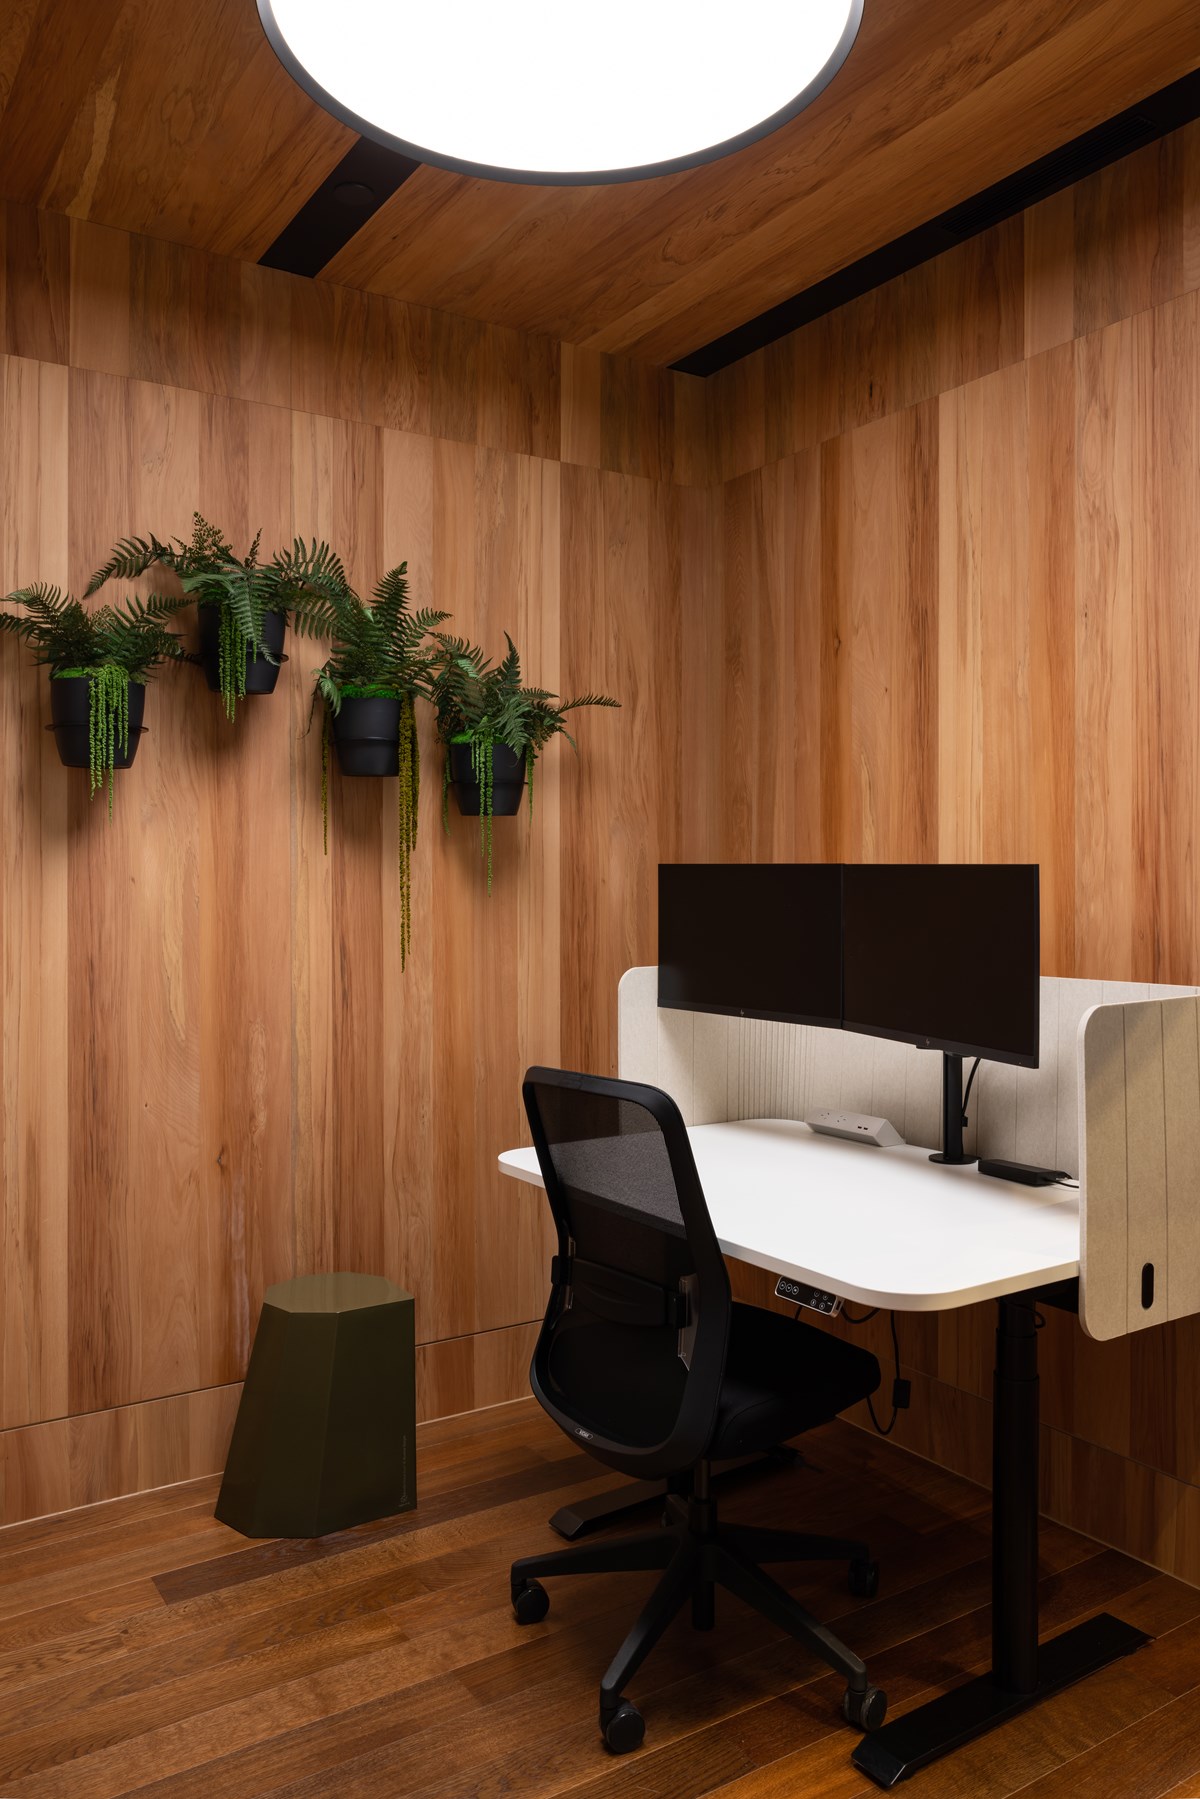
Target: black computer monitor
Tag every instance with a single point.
(753, 940)
(944, 956)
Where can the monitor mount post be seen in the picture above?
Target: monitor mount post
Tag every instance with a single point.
(952, 1114)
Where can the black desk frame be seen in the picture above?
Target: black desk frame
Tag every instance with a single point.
(1022, 1673)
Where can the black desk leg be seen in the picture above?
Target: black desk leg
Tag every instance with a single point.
(575, 1521)
(1021, 1674)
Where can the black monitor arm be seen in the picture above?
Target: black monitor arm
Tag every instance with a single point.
(953, 1115)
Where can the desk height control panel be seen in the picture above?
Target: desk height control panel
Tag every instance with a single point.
(797, 1294)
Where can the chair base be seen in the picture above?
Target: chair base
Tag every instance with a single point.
(695, 1556)
(583, 1516)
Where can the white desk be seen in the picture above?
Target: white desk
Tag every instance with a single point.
(883, 1227)
(889, 1228)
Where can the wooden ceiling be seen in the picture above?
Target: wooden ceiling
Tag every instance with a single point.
(177, 120)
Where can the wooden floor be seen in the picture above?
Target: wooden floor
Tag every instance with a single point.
(145, 1648)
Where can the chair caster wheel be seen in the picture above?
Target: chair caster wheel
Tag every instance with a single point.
(865, 1710)
(625, 1730)
(530, 1602)
(864, 1579)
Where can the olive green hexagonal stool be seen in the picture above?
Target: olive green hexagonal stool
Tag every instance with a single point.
(325, 1432)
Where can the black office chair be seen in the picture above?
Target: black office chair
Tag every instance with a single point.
(645, 1359)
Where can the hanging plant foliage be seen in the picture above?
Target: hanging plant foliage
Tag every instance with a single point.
(493, 729)
(109, 648)
(368, 687)
(244, 604)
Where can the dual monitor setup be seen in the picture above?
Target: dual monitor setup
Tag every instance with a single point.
(943, 956)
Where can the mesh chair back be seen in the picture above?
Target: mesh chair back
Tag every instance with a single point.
(633, 1347)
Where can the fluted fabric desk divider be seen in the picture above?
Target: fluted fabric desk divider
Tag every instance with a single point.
(1134, 1046)
(1140, 1131)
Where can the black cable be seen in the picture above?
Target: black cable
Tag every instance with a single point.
(865, 1318)
(886, 1430)
(970, 1084)
(848, 1316)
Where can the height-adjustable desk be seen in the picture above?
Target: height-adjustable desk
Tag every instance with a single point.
(1118, 1090)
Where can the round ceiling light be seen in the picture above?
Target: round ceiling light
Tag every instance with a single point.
(553, 91)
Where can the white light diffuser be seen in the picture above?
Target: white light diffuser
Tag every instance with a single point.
(556, 91)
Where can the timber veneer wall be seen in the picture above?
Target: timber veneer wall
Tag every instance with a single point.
(213, 1072)
(954, 613)
(919, 581)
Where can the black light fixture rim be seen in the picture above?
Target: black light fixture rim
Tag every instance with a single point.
(548, 178)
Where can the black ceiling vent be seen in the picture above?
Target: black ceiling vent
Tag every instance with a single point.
(1116, 137)
(367, 175)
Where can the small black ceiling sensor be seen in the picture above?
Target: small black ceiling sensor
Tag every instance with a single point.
(367, 175)
(1152, 118)
(355, 194)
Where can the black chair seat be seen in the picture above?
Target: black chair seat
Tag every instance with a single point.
(781, 1378)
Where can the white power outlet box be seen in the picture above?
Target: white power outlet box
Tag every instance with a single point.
(855, 1127)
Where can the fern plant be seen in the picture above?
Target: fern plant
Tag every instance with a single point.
(481, 705)
(242, 590)
(378, 652)
(108, 647)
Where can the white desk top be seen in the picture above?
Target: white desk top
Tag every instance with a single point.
(883, 1227)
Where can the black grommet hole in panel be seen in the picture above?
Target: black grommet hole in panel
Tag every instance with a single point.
(1147, 1285)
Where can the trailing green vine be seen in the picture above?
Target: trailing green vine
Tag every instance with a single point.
(483, 767)
(485, 706)
(325, 779)
(407, 794)
(233, 646)
(108, 724)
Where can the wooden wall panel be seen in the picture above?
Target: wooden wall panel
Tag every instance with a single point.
(621, 809)
(74, 1461)
(34, 1095)
(98, 298)
(1118, 244)
(246, 924)
(1002, 607)
(215, 1072)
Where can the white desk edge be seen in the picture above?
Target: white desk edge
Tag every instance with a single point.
(954, 1231)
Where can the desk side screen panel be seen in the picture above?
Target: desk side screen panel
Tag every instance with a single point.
(1139, 1081)
(718, 1069)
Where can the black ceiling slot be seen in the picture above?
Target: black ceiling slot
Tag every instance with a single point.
(367, 175)
(1116, 137)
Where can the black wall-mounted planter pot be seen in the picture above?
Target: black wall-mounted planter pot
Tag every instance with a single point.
(261, 675)
(508, 780)
(69, 709)
(366, 735)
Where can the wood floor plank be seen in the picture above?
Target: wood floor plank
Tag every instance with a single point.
(1142, 1762)
(165, 1656)
(271, 1557)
